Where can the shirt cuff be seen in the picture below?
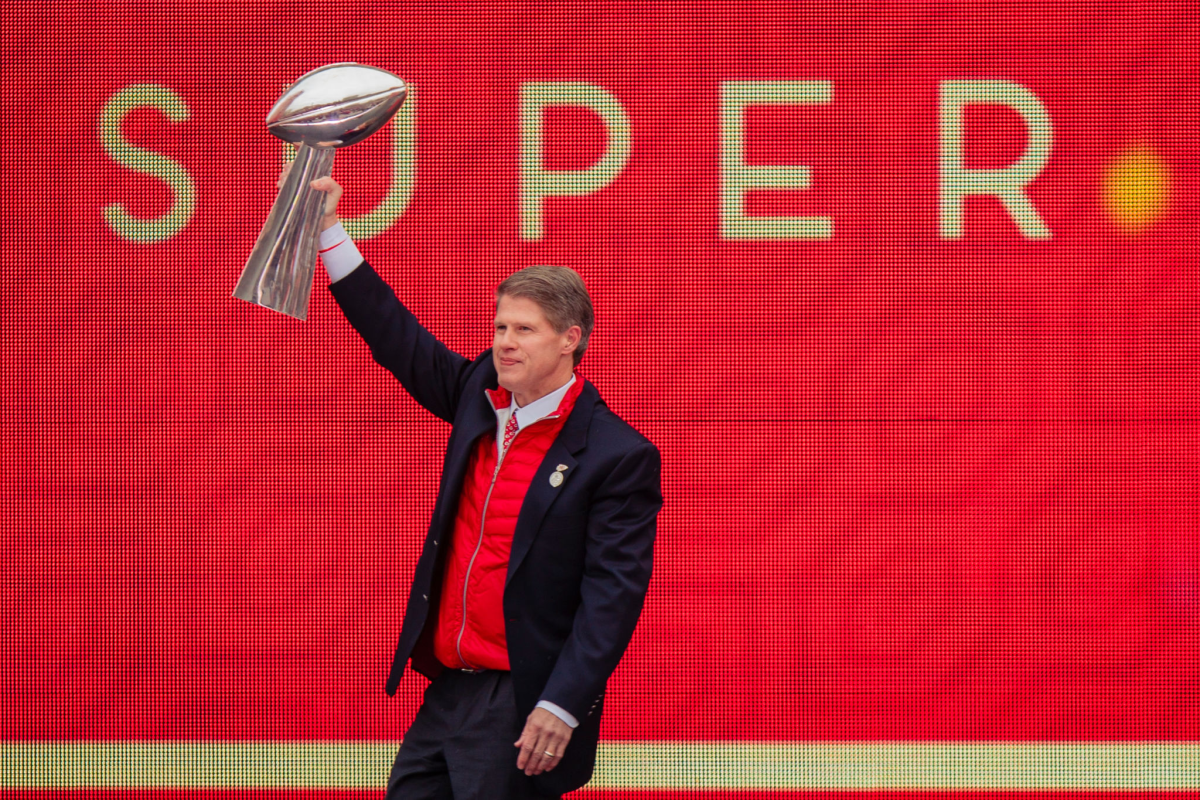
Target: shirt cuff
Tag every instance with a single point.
(338, 252)
(559, 712)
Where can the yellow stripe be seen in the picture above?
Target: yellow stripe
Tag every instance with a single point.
(901, 765)
(1064, 766)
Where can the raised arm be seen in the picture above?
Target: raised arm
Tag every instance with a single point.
(429, 371)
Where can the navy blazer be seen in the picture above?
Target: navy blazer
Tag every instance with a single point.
(581, 552)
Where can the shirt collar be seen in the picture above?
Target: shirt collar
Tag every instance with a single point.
(539, 409)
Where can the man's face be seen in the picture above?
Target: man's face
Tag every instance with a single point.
(532, 359)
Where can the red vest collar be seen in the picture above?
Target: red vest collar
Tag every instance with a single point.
(502, 398)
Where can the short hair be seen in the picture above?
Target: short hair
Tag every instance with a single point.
(560, 294)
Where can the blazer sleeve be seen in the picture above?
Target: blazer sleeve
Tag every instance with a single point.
(617, 564)
(429, 371)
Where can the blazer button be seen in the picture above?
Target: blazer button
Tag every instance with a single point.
(435, 542)
(424, 597)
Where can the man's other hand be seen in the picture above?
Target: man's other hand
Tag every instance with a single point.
(333, 192)
(542, 743)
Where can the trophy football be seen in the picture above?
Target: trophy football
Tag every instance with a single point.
(334, 106)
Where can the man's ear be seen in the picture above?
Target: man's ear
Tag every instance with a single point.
(573, 334)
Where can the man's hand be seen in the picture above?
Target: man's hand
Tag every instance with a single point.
(542, 743)
(328, 185)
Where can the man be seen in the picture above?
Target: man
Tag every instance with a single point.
(538, 555)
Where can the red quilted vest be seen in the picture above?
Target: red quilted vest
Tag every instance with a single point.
(470, 619)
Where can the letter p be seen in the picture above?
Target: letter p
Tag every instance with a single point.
(537, 182)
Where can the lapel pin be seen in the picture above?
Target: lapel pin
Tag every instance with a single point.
(556, 479)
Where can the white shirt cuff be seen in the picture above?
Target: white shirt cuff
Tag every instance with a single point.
(559, 712)
(338, 252)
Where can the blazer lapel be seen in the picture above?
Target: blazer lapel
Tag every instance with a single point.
(475, 420)
(478, 420)
(543, 492)
(482, 419)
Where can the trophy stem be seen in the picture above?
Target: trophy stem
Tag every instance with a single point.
(279, 273)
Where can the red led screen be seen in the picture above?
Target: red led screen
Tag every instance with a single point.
(904, 293)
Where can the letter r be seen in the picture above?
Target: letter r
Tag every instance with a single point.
(1008, 184)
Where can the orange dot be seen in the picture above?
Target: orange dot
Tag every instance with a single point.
(1136, 188)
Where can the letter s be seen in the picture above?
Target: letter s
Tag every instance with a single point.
(138, 159)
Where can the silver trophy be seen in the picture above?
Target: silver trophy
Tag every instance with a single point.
(334, 106)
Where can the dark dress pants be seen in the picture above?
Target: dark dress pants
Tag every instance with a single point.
(460, 745)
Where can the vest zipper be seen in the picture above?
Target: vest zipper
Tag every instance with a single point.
(479, 545)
